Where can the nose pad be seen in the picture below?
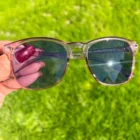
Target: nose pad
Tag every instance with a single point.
(77, 50)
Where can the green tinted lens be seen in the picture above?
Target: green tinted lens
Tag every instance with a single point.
(28, 63)
(110, 61)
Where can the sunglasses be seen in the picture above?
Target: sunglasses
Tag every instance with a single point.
(41, 62)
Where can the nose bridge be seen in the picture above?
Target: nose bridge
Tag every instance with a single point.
(77, 50)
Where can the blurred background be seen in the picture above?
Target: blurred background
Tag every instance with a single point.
(78, 108)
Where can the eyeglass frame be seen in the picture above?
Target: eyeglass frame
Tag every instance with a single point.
(71, 49)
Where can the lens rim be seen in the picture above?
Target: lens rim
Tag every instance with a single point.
(133, 47)
(15, 44)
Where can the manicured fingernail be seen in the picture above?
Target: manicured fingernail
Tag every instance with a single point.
(25, 53)
(42, 64)
(40, 73)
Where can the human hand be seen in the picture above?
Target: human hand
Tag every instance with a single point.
(26, 75)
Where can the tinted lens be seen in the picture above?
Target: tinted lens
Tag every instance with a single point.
(110, 61)
(28, 60)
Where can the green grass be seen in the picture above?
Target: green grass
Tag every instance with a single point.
(78, 108)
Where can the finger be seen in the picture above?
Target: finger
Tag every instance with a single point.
(32, 68)
(17, 65)
(25, 53)
(27, 80)
(6, 90)
(23, 81)
(11, 84)
(5, 67)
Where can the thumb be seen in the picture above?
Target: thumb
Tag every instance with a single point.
(5, 67)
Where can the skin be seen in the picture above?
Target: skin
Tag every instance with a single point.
(26, 76)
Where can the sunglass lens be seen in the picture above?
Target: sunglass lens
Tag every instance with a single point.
(39, 64)
(110, 61)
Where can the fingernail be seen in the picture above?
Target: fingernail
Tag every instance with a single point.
(25, 53)
(42, 64)
(40, 73)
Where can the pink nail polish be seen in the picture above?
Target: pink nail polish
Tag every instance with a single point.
(25, 53)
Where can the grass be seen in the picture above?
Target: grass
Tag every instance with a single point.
(78, 108)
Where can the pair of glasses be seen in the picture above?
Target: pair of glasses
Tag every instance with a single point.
(41, 62)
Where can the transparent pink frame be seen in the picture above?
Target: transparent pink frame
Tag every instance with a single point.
(75, 50)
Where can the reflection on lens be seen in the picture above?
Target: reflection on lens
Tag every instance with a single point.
(29, 59)
(110, 61)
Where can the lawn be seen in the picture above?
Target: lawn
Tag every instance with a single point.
(78, 108)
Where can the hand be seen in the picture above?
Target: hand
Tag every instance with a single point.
(26, 75)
